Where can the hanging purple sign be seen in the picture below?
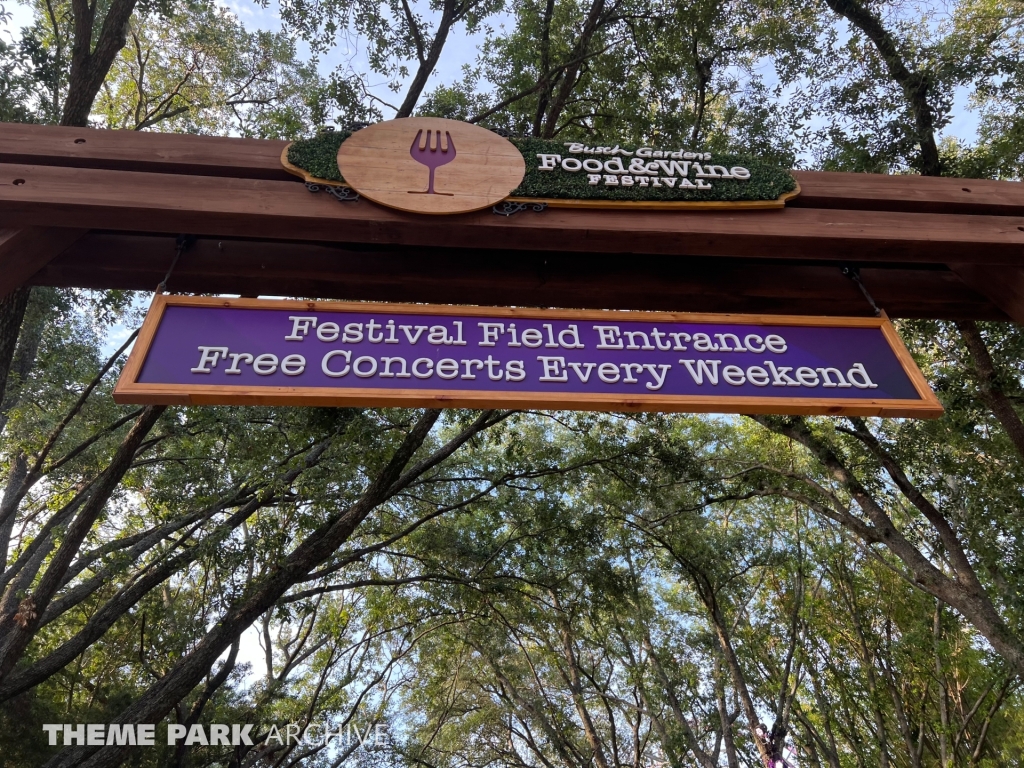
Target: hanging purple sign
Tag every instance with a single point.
(251, 351)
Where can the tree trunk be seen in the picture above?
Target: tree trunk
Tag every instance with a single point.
(89, 65)
(739, 679)
(20, 630)
(868, 662)
(576, 687)
(940, 679)
(426, 68)
(731, 758)
(703, 758)
(189, 671)
(35, 318)
(104, 617)
(971, 601)
(544, 84)
(12, 312)
(8, 506)
(988, 385)
(916, 85)
(568, 82)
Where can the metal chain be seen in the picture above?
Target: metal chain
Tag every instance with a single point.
(182, 243)
(854, 274)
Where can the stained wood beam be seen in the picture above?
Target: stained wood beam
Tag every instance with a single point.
(1003, 285)
(260, 159)
(909, 194)
(201, 205)
(174, 153)
(25, 250)
(506, 277)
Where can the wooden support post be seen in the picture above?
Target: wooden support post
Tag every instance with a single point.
(1003, 285)
(26, 250)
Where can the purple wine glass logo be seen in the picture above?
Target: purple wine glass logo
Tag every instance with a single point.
(432, 156)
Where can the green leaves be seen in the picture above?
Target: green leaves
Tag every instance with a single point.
(319, 156)
(767, 180)
(568, 587)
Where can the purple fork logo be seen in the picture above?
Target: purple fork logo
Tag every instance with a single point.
(432, 156)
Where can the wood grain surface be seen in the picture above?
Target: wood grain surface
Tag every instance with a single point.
(479, 167)
(912, 194)
(1003, 286)
(141, 151)
(233, 190)
(537, 278)
(256, 158)
(255, 208)
(26, 250)
(151, 394)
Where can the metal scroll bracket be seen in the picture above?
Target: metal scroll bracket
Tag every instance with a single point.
(511, 207)
(341, 194)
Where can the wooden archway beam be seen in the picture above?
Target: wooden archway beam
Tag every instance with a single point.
(927, 247)
(1003, 285)
(26, 250)
(227, 157)
(510, 277)
(254, 208)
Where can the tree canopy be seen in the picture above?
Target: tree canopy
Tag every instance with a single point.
(526, 589)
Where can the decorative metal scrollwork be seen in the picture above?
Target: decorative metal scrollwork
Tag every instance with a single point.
(341, 194)
(511, 207)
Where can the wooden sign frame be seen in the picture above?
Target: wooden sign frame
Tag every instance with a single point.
(661, 205)
(130, 390)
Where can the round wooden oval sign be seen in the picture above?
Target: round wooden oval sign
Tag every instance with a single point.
(431, 165)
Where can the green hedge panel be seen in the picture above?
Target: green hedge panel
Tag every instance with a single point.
(319, 157)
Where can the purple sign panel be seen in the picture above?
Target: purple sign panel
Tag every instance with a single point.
(201, 350)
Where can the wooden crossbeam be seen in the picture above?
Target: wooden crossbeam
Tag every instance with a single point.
(260, 159)
(944, 248)
(203, 205)
(25, 250)
(544, 278)
(141, 151)
(1003, 285)
(909, 194)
